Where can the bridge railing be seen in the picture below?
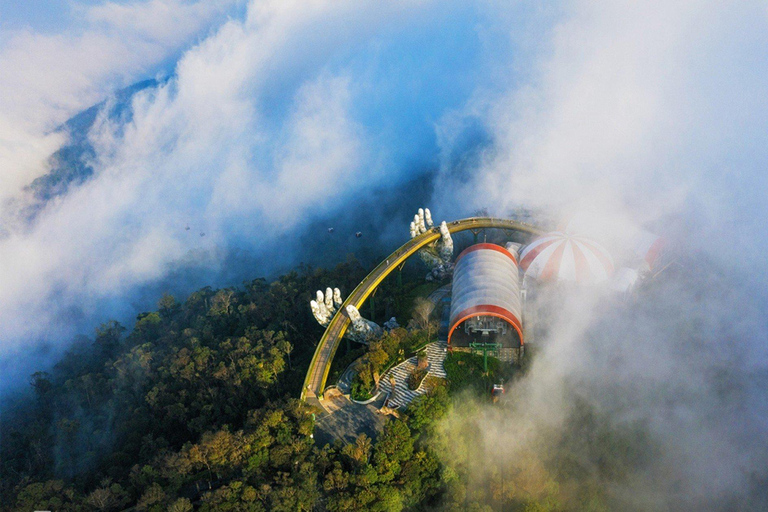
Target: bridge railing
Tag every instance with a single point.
(378, 274)
(358, 296)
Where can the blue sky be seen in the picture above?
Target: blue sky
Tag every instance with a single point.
(40, 15)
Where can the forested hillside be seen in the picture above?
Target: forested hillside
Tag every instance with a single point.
(195, 407)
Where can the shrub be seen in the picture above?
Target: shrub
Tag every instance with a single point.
(421, 359)
(359, 393)
(465, 370)
(415, 378)
(362, 389)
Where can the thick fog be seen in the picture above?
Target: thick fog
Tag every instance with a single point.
(269, 117)
(638, 116)
(281, 114)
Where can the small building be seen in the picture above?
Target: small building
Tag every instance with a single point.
(486, 308)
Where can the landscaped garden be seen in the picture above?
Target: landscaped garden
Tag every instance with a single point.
(393, 347)
(466, 371)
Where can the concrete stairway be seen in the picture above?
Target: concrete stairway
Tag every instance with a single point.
(402, 395)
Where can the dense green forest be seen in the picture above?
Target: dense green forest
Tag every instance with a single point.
(195, 409)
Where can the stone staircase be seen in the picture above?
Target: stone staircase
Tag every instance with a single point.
(402, 395)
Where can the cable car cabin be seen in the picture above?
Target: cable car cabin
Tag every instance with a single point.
(496, 392)
(485, 303)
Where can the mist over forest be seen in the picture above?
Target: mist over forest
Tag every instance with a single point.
(180, 177)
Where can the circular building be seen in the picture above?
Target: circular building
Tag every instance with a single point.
(649, 248)
(559, 256)
(486, 307)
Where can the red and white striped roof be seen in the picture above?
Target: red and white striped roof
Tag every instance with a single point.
(636, 247)
(559, 256)
(648, 247)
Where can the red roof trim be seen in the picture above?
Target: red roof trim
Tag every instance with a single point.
(654, 251)
(600, 251)
(533, 253)
(492, 247)
(487, 310)
(552, 267)
(580, 263)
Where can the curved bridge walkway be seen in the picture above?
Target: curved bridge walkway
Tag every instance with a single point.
(314, 383)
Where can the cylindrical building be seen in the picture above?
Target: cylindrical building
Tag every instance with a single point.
(485, 300)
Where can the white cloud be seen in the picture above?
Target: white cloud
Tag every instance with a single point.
(632, 106)
(49, 77)
(646, 113)
(267, 120)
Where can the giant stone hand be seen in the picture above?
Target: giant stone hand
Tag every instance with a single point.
(438, 254)
(361, 330)
(327, 304)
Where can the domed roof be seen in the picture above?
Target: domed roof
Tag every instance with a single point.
(559, 256)
(649, 248)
